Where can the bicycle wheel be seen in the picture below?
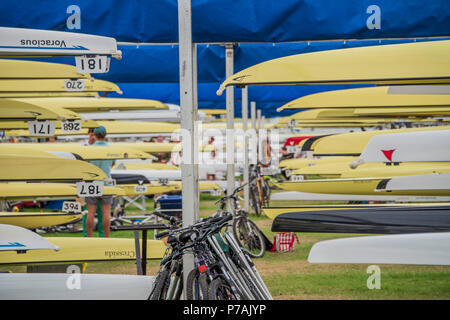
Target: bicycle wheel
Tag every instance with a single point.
(161, 286)
(218, 289)
(254, 200)
(249, 237)
(267, 192)
(196, 286)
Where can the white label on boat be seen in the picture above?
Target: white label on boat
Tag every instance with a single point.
(297, 177)
(71, 126)
(41, 128)
(140, 189)
(90, 189)
(293, 149)
(92, 64)
(74, 85)
(163, 181)
(71, 206)
(216, 192)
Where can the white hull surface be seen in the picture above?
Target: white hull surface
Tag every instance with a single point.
(415, 249)
(56, 43)
(296, 195)
(69, 286)
(419, 182)
(13, 238)
(419, 146)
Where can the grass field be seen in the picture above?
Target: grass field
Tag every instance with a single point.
(289, 276)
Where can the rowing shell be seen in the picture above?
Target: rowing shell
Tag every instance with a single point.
(74, 249)
(63, 286)
(389, 220)
(17, 239)
(302, 196)
(273, 212)
(417, 249)
(356, 186)
(31, 220)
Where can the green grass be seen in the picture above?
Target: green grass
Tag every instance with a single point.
(290, 276)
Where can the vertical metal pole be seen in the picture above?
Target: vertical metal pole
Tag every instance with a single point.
(229, 70)
(246, 163)
(189, 168)
(254, 155)
(258, 116)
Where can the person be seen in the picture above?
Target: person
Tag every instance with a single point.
(91, 140)
(211, 169)
(106, 201)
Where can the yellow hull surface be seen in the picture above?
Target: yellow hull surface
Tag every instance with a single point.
(20, 128)
(31, 220)
(299, 163)
(359, 186)
(147, 189)
(54, 85)
(150, 147)
(410, 63)
(24, 69)
(11, 109)
(7, 94)
(371, 97)
(26, 168)
(343, 170)
(86, 152)
(46, 191)
(88, 104)
(74, 249)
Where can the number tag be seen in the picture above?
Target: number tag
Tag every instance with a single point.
(163, 181)
(140, 189)
(297, 178)
(293, 149)
(90, 189)
(92, 64)
(74, 85)
(216, 192)
(71, 126)
(41, 128)
(71, 206)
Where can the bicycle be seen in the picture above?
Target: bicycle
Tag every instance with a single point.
(245, 231)
(223, 271)
(259, 189)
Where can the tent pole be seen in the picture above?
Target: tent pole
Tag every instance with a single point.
(254, 155)
(258, 116)
(189, 168)
(229, 70)
(246, 163)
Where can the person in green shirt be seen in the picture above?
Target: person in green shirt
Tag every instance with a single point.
(105, 201)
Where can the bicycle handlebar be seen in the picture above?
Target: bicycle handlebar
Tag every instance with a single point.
(231, 195)
(171, 219)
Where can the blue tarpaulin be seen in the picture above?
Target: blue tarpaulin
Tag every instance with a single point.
(261, 29)
(156, 21)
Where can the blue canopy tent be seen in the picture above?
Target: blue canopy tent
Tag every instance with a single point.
(147, 33)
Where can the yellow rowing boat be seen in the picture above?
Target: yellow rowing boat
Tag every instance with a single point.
(373, 97)
(32, 220)
(408, 63)
(73, 249)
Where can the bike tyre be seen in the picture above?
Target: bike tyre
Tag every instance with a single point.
(258, 236)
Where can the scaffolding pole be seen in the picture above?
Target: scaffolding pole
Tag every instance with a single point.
(189, 166)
